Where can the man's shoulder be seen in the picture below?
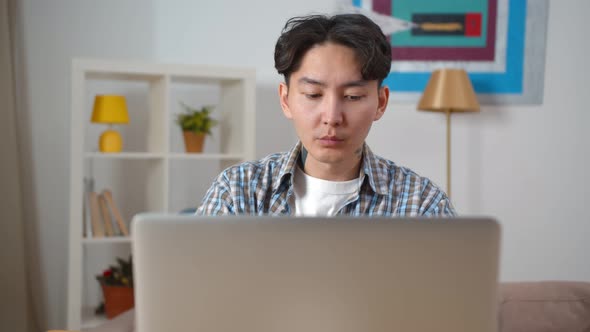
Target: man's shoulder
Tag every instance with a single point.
(267, 165)
(388, 176)
(394, 171)
(244, 188)
(411, 193)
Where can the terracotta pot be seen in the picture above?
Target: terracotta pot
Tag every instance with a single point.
(193, 142)
(117, 300)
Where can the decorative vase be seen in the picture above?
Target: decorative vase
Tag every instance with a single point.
(117, 299)
(193, 142)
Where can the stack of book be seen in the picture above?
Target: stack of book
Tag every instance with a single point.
(102, 217)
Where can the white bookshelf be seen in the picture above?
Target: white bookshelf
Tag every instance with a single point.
(103, 240)
(152, 173)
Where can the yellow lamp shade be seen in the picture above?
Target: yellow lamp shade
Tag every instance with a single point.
(110, 109)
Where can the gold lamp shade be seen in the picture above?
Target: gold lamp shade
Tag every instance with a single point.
(110, 109)
(449, 89)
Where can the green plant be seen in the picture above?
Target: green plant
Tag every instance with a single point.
(196, 120)
(121, 275)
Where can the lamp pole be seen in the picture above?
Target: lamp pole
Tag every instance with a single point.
(449, 90)
(448, 113)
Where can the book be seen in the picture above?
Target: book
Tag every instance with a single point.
(106, 216)
(87, 225)
(95, 217)
(115, 210)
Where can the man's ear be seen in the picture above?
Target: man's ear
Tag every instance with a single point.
(283, 94)
(383, 96)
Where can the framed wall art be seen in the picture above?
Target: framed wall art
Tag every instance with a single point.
(500, 43)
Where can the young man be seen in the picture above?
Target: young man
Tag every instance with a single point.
(333, 69)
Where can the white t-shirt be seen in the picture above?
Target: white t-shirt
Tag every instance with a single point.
(317, 197)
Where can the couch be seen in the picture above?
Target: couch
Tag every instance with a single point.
(543, 306)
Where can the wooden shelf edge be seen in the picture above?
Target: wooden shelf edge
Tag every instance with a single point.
(124, 155)
(207, 156)
(90, 319)
(176, 155)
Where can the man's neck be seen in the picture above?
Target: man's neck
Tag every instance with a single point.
(330, 172)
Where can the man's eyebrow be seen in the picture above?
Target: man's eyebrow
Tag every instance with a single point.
(308, 80)
(355, 83)
(312, 81)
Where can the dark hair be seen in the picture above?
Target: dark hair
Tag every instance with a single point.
(356, 31)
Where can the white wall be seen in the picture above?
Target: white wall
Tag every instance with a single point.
(524, 165)
(53, 32)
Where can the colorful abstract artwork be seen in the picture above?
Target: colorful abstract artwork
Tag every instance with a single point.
(500, 43)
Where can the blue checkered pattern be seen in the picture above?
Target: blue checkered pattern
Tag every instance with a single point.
(265, 187)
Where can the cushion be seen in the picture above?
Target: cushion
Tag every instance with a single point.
(544, 306)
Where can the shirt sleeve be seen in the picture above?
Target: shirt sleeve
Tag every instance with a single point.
(436, 203)
(217, 200)
(443, 208)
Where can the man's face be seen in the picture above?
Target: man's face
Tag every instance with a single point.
(332, 107)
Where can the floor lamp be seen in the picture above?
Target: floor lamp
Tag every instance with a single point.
(448, 91)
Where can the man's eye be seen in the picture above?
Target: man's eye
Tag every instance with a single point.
(313, 95)
(353, 97)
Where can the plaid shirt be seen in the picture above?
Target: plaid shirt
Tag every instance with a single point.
(265, 187)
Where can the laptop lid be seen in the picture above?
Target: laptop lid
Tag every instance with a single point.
(340, 274)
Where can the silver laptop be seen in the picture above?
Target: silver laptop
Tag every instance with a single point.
(341, 274)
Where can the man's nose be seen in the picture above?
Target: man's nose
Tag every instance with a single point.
(332, 112)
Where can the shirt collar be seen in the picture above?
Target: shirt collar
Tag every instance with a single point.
(376, 173)
(287, 168)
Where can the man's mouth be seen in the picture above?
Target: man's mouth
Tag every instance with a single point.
(330, 140)
(332, 137)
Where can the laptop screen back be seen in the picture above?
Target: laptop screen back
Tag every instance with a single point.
(264, 274)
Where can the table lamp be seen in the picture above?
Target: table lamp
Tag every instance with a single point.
(448, 91)
(110, 109)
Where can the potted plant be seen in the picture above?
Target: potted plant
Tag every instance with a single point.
(195, 124)
(117, 288)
